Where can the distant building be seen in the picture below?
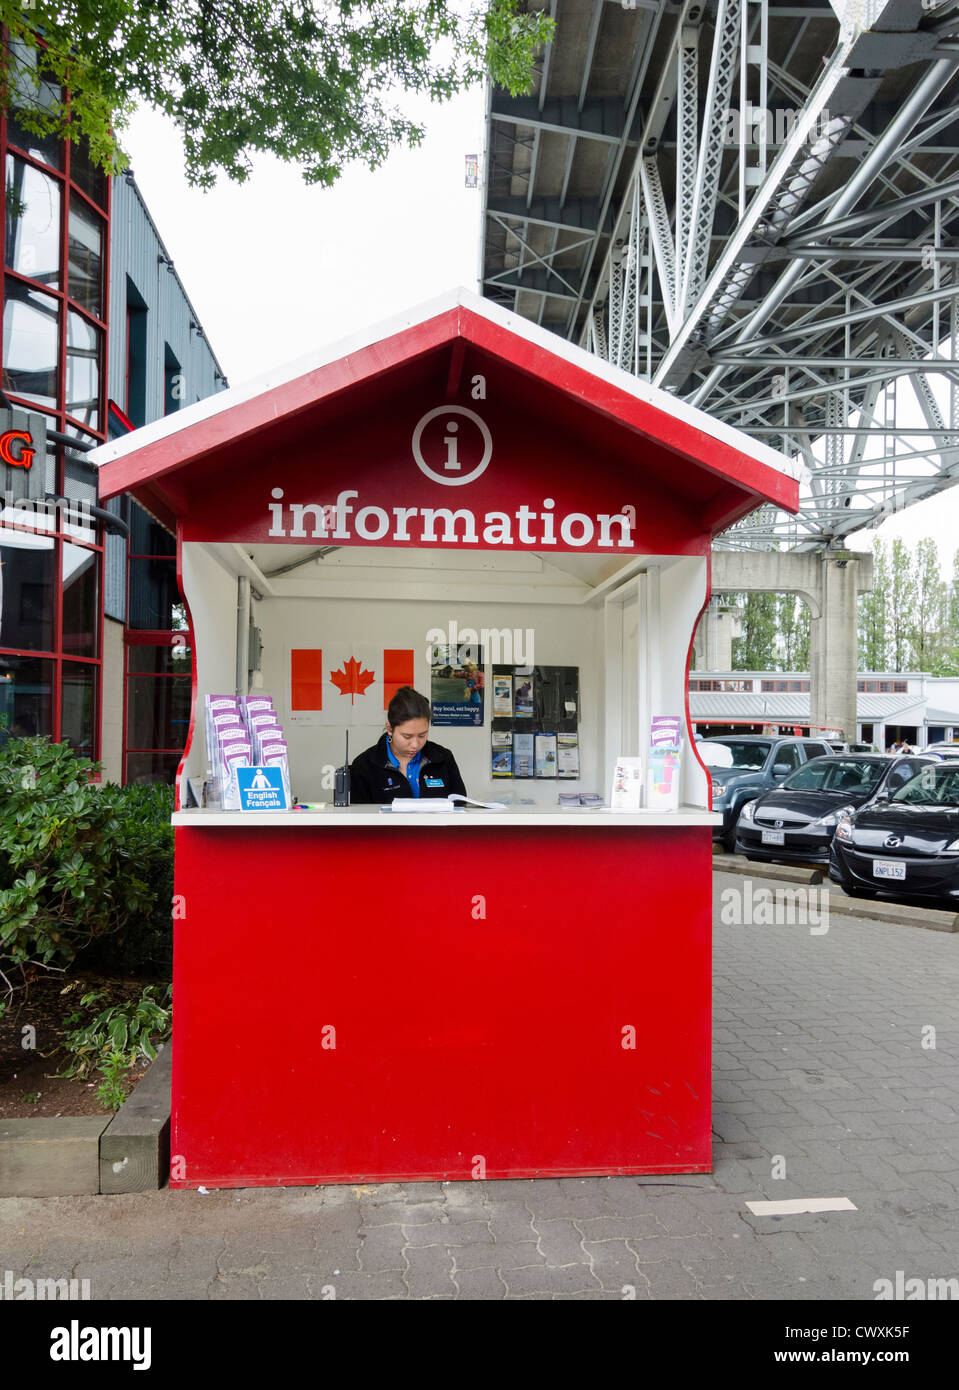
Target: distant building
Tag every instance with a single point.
(890, 707)
(98, 337)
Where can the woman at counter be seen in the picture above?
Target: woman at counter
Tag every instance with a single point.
(404, 762)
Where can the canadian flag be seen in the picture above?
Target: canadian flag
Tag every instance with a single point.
(344, 683)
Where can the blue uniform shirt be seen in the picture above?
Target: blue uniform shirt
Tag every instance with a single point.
(412, 769)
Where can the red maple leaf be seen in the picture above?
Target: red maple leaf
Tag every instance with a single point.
(352, 679)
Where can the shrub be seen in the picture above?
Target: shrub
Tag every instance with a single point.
(144, 944)
(78, 863)
(116, 1039)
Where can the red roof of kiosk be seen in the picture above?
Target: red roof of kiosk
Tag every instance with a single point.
(459, 391)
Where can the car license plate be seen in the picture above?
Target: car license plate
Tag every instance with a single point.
(774, 837)
(888, 868)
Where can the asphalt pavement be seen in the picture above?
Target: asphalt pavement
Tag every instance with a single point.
(835, 1077)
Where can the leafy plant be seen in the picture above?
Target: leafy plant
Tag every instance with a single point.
(78, 862)
(112, 1090)
(312, 83)
(118, 1037)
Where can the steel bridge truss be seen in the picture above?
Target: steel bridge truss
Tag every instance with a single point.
(773, 236)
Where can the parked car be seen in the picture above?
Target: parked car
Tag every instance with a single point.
(944, 749)
(838, 747)
(862, 748)
(797, 819)
(743, 766)
(908, 844)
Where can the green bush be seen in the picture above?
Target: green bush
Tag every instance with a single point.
(144, 945)
(79, 864)
(116, 1039)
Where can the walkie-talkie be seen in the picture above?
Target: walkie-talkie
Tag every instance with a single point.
(341, 785)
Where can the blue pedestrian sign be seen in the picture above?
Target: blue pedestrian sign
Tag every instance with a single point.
(261, 789)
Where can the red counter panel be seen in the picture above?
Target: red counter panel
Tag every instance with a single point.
(412, 1002)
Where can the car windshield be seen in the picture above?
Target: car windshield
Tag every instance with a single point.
(936, 785)
(837, 775)
(731, 752)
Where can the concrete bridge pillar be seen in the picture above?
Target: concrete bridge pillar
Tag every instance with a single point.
(713, 645)
(830, 582)
(833, 644)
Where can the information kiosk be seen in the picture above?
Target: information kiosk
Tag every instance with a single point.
(365, 996)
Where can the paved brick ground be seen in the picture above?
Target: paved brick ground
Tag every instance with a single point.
(819, 1068)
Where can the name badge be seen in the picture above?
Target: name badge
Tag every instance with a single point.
(433, 781)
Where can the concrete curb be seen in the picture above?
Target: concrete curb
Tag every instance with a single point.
(85, 1155)
(135, 1146)
(870, 909)
(785, 873)
(902, 914)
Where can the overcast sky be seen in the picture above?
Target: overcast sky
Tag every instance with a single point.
(275, 268)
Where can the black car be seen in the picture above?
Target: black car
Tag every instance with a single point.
(908, 844)
(743, 766)
(797, 819)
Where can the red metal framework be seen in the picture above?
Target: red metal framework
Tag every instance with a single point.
(59, 418)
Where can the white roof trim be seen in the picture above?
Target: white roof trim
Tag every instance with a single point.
(542, 337)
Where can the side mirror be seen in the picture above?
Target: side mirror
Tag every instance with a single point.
(781, 769)
(884, 795)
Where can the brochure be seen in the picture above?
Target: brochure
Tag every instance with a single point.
(523, 696)
(523, 755)
(567, 754)
(665, 753)
(627, 793)
(577, 800)
(502, 753)
(545, 755)
(502, 695)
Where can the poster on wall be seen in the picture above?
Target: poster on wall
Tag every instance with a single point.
(457, 685)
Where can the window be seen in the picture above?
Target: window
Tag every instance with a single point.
(31, 337)
(735, 686)
(80, 600)
(787, 753)
(27, 592)
(27, 85)
(172, 381)
(814, 750)
(883, 687)
(26, 697)
(784, 685)
(85, 250)
(159, 662)
(136, 396)
(32, 223)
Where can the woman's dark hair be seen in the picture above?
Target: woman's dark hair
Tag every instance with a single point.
(406, 704)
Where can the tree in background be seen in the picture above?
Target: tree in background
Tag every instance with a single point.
(313, 83)
(927, 636)
(755, 650)
(792, 621)
(874, 613)
(902, 599)
(950, 646)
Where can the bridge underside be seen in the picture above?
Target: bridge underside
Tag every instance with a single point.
(755, 205)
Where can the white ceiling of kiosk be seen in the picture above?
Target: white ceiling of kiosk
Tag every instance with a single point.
(486, 565)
